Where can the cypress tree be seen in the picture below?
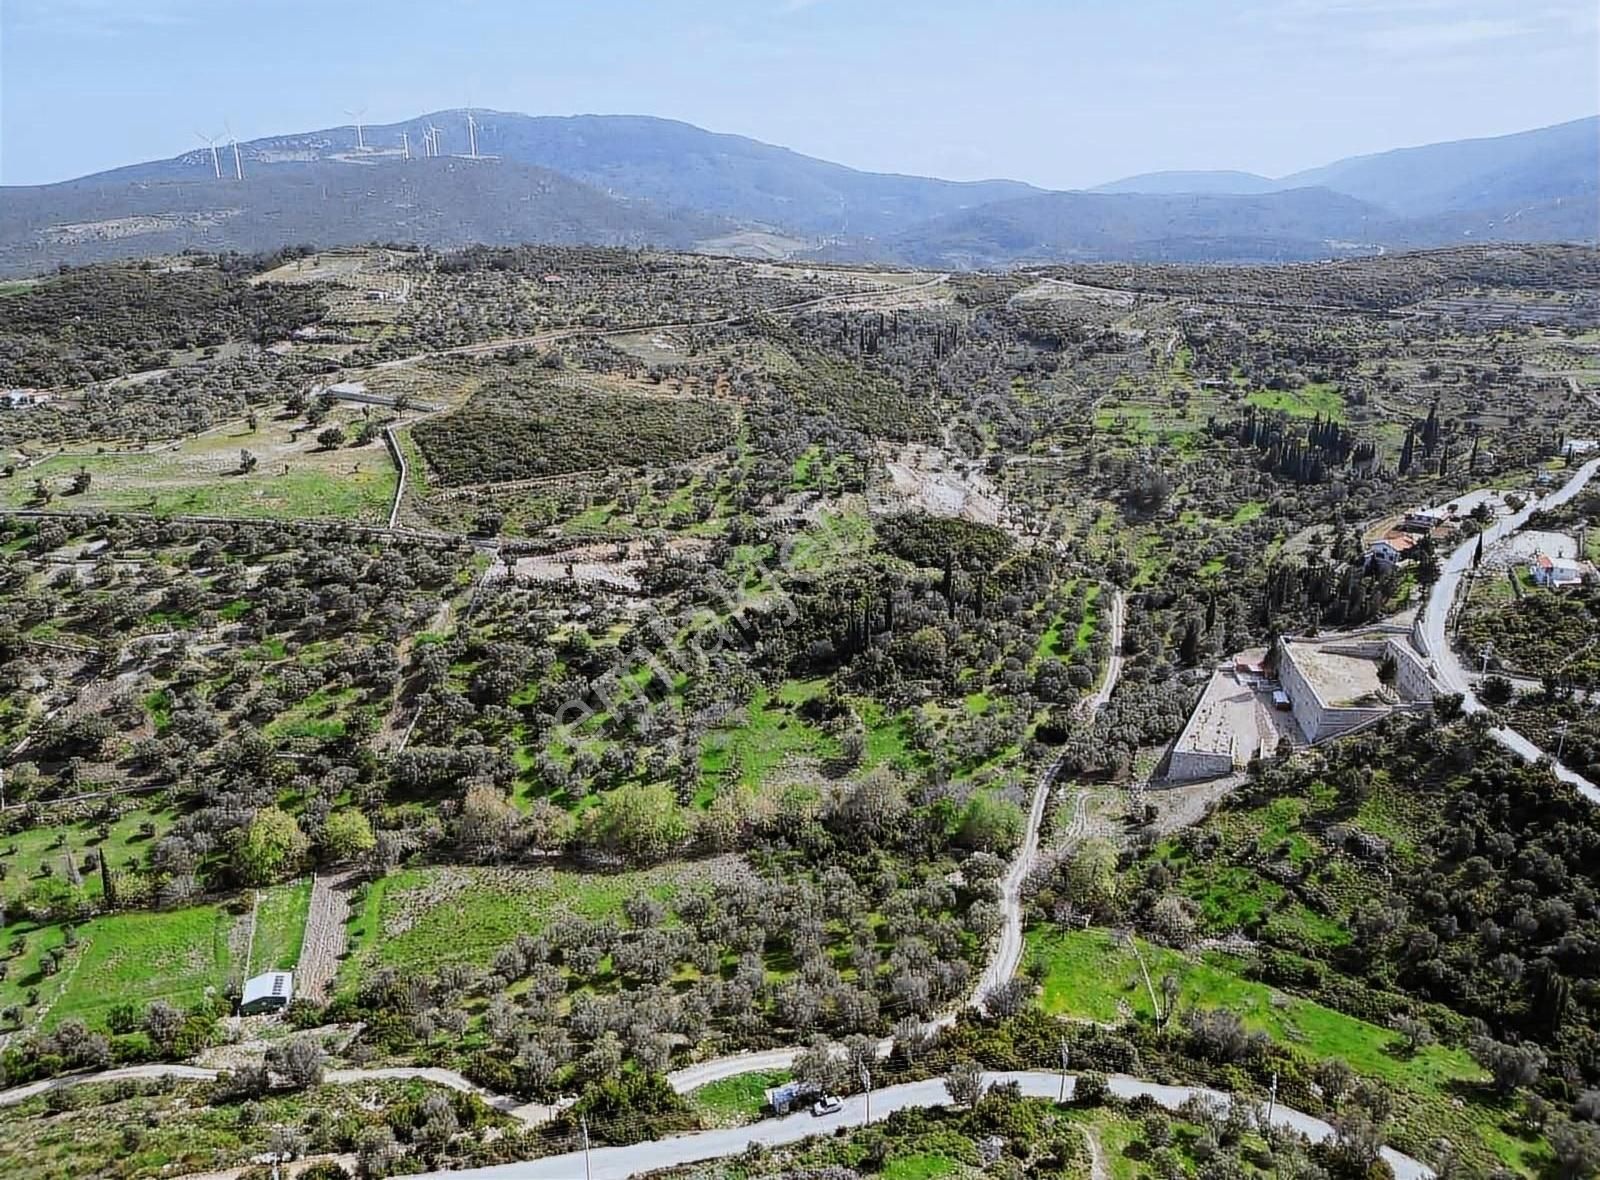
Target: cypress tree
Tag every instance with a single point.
(108, 889)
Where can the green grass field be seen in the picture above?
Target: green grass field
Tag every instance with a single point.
(887, 739)
(131, 958)
(737, 1099)
(773, 733)
(37, 847)
(1315, 399)
(293, 479)
(320, 715)
(920, 1165)
(280, 927)
(421, 919)
(1090, 976)
(1248, 511)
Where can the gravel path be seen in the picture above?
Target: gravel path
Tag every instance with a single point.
(1102, 695)
(324, 943)
(1007, 955)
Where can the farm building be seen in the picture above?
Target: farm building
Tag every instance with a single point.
(269, 992)
(1323, 687)
(1232, 723)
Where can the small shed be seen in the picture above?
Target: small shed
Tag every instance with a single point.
(269, 992)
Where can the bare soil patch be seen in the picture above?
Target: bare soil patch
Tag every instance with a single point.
(926, 478)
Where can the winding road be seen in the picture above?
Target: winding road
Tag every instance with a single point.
(1002, 965)
(1452, 677)
(1007, 957)
(619, 1163)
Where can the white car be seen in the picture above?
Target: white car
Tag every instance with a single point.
(827, 1104)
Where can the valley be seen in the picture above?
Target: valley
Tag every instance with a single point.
(608, 679)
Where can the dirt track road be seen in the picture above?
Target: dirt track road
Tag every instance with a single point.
(1007, 956)
(324, 942)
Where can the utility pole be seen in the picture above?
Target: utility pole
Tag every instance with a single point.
(866, 1082)
(1561, 742)
(1484, 653)
(1272, 1098)
(1065, 1057)
(588, 1173)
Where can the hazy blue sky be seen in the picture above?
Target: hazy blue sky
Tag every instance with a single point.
(1059, 92)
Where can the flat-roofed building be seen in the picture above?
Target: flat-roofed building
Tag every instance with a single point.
(268, 992)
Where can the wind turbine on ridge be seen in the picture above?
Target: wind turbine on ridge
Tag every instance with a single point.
(211, 142)
(238, 167)
(355, 118)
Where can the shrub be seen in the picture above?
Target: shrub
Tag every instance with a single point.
(1090, 1089)
(515, 430)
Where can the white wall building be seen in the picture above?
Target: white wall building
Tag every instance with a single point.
(1559, 573)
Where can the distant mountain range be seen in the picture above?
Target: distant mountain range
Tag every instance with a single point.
(1551, 163)
(630, 180)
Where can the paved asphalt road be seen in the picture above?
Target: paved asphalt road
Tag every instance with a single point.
(1452, 676)
(619, 1163)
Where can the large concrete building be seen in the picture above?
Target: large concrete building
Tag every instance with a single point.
(1222, 734)
(1323, 687)
(1334, 686)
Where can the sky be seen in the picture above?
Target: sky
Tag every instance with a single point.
(1062, 93)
